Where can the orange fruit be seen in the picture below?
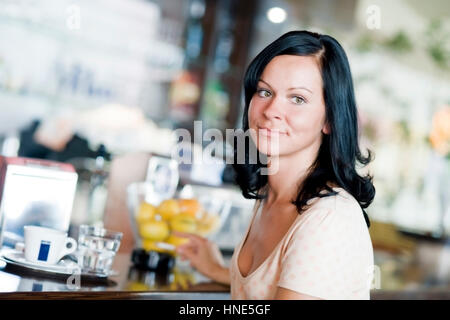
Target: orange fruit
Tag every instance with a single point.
(190, 206)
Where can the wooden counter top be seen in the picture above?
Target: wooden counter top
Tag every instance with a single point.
(132, 284)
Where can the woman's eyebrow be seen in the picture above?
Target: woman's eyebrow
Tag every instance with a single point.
(304, 88)
(265, 82)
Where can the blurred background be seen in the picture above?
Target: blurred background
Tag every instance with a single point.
(100, 84)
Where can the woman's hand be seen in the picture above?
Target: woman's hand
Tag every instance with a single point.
(204, 256)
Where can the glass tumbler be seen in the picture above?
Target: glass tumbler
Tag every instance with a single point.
(97, 248)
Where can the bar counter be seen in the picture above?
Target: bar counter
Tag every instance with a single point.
(130, 283)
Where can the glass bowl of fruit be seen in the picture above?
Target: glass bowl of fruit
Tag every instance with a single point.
(192, 210)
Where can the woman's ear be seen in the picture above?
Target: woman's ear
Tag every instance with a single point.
(326, 128)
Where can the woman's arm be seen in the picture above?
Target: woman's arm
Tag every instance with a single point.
(221, 275)
(204, 256)
(286, 294)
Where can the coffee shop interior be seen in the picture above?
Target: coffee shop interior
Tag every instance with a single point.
(93, 94)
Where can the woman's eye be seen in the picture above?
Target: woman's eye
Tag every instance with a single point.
(263, 93)
(298, 100)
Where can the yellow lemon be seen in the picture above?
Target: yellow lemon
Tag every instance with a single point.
(176, 241)
(168, 208)
(182, 280)
(149, 245)
(184, 223)
(190, 206)
(146, 212)
(154, 230)
(138, 286)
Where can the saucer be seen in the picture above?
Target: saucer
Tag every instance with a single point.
(64, 267)
(18, 258)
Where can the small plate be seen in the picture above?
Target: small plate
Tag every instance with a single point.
(17, 257)
(65, 267)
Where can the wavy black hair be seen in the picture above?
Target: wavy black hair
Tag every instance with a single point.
(339, 152)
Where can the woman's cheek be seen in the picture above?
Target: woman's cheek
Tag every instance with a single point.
(300, 121)
(252, 116)
(295, 123)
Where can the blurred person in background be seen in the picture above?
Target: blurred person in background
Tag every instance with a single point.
(308, 237)
(55, 139)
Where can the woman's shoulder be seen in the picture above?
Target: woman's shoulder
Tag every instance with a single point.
(337, 218)
(341, 208)
(341, 200)
(331, 239)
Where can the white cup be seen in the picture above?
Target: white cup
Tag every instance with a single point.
(47, 246)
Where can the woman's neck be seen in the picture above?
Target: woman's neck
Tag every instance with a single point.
(287, 173)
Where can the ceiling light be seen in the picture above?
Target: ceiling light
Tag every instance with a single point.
(276, 15)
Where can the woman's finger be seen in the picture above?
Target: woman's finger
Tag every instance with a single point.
(186, 253)
(184, 234)
(187, 246)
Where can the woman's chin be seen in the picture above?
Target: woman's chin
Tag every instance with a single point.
(267, 152)
(267, 147)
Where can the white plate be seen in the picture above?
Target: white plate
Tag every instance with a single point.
(63, 267)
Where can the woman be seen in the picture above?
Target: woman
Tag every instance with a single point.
(308, 237)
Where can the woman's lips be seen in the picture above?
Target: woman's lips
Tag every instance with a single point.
(270, 132)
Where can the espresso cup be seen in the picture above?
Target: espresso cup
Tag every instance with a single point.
(47, 246)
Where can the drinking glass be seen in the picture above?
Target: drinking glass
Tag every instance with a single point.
(97, 248)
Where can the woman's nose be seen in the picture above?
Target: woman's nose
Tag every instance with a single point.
(272, 110)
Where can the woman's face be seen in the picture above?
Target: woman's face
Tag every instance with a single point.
(287, 111)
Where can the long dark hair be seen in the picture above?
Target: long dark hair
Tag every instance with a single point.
(339, 152)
